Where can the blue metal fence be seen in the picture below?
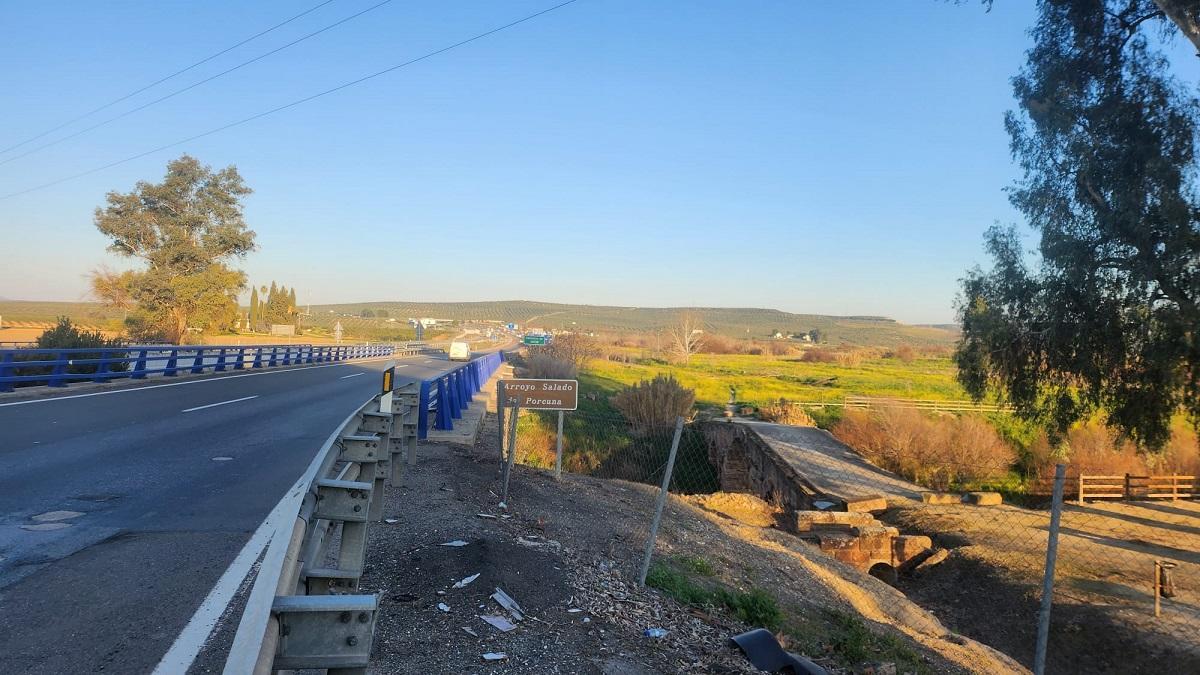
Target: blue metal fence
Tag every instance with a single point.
(58, 367)
(447, 395)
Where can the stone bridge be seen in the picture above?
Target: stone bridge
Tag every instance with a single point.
(827, 491)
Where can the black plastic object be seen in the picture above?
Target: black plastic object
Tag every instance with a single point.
(764, 653)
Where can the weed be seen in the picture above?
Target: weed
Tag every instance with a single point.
(697, 564)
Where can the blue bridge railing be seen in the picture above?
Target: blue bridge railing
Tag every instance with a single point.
(444, 397)
(58, 367)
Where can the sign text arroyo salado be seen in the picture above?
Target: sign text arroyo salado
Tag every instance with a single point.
(540, 394)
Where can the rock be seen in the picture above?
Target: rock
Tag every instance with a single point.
(807, 521)
(941, 498)
(984, 498)
(866, 503)
(938, 556)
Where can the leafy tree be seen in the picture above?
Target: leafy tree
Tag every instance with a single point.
(816, 335)
(1104, 316)
(367, 314)
(293, 310)
(113, 288)
(186, 230)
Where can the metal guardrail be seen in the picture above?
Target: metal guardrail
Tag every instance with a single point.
(304, 611)
(447, 395)
(58, 367)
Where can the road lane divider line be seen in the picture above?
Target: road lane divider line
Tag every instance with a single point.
(213, 405)
(219, 378)
(346, 377)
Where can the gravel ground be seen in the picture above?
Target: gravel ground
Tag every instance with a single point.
(575, 545)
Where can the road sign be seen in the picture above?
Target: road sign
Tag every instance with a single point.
(535, 340)
(540, 394)
(510, 326)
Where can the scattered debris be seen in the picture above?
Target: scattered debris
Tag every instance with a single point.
(405, 597)
(456, 542)
(574, 610)
(534, 541)
(485, 515)
(55, 516)
(443, 606)
(441, 592)
(763, 650)
(465, 581)
(504, 600)
(502, 505)
(470, 632)
(495, 656)
(391, 521)
(654, 633)
(823, 505)
(499, 623)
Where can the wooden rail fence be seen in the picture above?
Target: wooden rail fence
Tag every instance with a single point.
(868, 402)
(1130, 487)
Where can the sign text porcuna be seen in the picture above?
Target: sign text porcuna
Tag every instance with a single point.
(533, 394)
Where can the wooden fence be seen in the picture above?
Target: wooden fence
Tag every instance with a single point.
(1130, 487)
(868, 402)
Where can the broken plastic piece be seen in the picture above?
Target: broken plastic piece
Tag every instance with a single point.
(654, 633)
(499, 623)
(505, 600)
(391, 521)
(764, 652)
(456, 542)
(485, 515)
(574, 610)
(495, 656)
(443, 606)
(470, 632)
(467, 580)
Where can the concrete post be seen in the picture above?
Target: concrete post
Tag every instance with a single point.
(662, 502)
(1043, 630)
(512, 450)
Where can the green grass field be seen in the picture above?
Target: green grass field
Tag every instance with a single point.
(761, 379)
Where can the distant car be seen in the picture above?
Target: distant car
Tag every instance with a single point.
(460, 351)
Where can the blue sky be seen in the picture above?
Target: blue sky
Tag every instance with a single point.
(839, 158)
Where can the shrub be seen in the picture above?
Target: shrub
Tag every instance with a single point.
(574, 348)
(655, 403)
(541, 365)
(903, 353)
(780, 349)
(819, 355)
(66, 335)
(941, 452)
(785, 412)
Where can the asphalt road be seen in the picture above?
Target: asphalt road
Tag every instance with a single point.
(169, 480)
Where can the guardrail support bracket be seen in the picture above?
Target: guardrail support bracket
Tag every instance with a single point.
(344, 500)
(324, 631)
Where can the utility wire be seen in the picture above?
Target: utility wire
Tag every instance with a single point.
(177, 92)
(164, 79)
(295, 103)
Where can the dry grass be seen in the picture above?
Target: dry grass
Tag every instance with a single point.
(549, 367)
(785, 412)
(655, 403)
(940, 452)
(1091, 448)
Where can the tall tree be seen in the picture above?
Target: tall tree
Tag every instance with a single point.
(293, 310)
(1104, 317)
(186, 230)
(253, 307)
(686, 336)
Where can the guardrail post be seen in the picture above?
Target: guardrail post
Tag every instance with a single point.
(455, 399)
(102, 367)
(198, 363)
(380, 424)
(287, 355)
(60, 370)
(240, 363)
(172, 367)
(274, 357)
(139, 367)
(406, 403)
(220, 367)
(6, 371)
(310, 354)
(258, 353)
(423, 410)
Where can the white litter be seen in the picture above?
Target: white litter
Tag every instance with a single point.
(443, 606)
(505, 600)
(456, 542)
(470, 632)
(574, 610)
(464, 582)
(495, 656)
(391, 521)
(485, 515)
(499, 623)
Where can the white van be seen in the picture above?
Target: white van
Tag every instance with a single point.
(460, 351)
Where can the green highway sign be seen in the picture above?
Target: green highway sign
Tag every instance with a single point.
(535, 340)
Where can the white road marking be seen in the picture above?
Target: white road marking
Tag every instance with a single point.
(194, 636)
(346, 377)
(213, 405)
(200, 381)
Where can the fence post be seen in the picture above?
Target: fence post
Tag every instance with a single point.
(198, 362)
(512, 451)
(60, 370)
(139, 368)
(558, 449)
(220, 367)
(103, 366)
(1080, 489)
(1043, 631)
(662, 502)
(1128, 493)
(6, 370)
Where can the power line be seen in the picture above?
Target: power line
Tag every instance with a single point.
(195, 84)
(164, 79)
(295, 103)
